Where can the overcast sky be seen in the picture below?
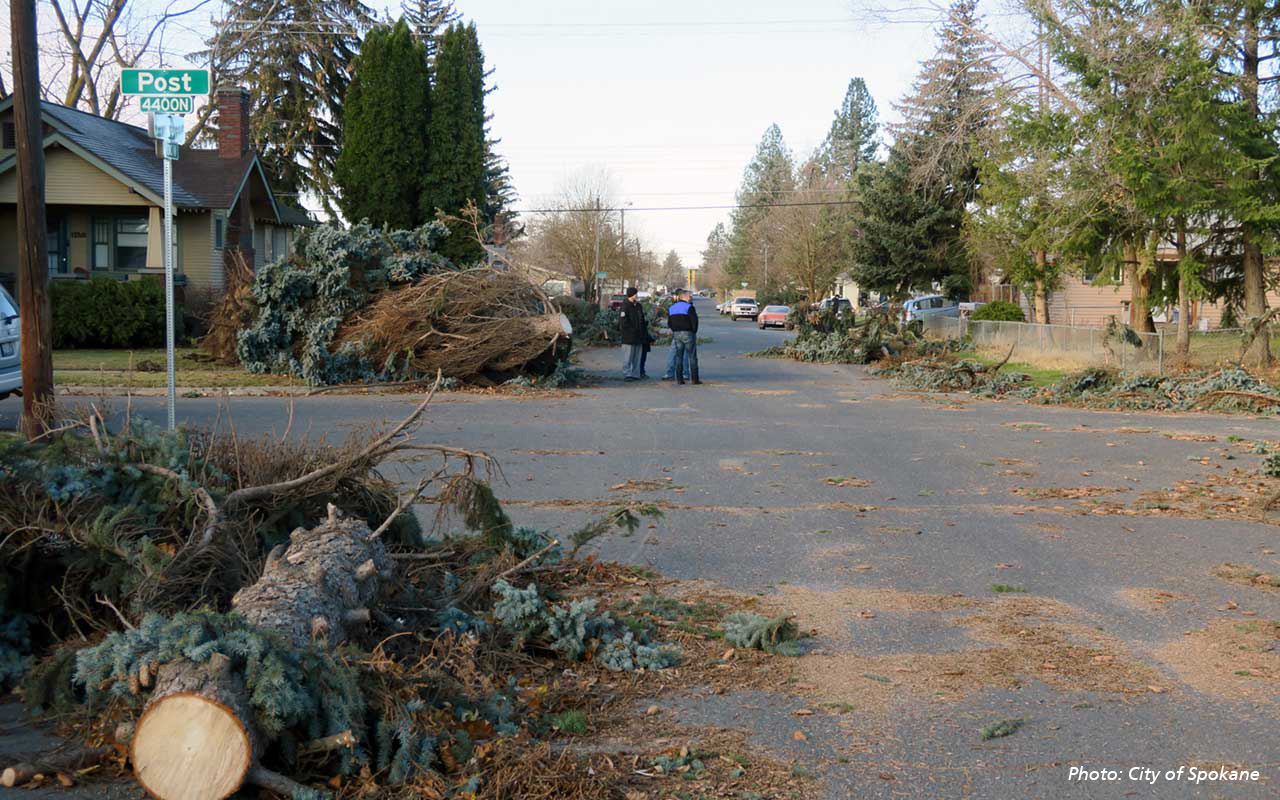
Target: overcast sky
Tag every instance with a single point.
(671, 96)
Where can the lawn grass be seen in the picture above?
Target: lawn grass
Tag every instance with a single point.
(1040, 376)
(107, 368)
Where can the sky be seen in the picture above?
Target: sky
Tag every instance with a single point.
(668, 97)
(672, 96)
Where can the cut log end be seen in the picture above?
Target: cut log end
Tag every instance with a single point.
(17, 775)
(188, 747)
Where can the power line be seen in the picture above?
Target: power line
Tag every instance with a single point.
(685, 208)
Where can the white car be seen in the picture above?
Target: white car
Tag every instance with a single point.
(10, 346)
(744, 308)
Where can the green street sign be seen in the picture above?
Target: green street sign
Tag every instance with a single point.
(162, 104)
(164, 81)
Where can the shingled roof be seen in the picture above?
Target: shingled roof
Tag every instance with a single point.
(201, 178)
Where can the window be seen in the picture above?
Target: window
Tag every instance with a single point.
(131, 243)
(101, 243)
(279, 243)
(219, 231)
(10, 137)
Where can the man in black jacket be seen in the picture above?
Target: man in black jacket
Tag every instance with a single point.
(635, 332)
(682, 318)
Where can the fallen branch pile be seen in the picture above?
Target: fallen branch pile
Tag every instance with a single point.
(832, 337)
(233, 612)
(363, 305)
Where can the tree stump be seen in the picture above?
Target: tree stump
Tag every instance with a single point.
(195, 739)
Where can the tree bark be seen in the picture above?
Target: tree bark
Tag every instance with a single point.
(1183, 347)
(1138, 269)
(1254, 268)
(196, 740)
(1041, 288)
(33, 257)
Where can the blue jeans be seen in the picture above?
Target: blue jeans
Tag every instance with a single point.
(684, 351)
(631, 354)
(691, 351)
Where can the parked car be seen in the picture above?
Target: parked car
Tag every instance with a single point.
(934, 305)
(773, 316)
(615, 302)
(10, 346)
(842, 305)
(744, 307)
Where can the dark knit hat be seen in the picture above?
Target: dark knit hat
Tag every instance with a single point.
(631, 291)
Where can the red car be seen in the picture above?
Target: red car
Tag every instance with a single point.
(775, 316)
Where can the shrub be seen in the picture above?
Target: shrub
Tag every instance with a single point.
(999, 311)
(105, 312)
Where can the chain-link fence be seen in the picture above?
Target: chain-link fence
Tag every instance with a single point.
(1056, 345)
(1073, 347)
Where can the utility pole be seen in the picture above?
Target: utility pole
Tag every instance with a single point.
(33, 255)
(599, 288)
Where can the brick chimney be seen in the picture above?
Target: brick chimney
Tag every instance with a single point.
(233, 121)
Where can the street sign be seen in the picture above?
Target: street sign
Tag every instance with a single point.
(164, 81)
(164, 104)
(602, 274)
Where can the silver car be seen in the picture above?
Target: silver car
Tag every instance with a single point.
(10, 346)
(934, 305)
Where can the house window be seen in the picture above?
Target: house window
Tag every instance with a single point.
(101, 243)
(10, 137)
(279, 243)
(131, 243)
(219, 232)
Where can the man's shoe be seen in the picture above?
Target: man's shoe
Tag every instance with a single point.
(696, 382)
(680, 380)
(629, 379)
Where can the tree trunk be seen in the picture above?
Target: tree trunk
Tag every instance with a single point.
(196, 740)
(33, 259)
(1138, 270)
(1042, 292)
(1255, 285)
(1183, 347)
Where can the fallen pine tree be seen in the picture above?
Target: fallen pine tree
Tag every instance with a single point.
(828, 336)
(234, 631)
(363, 305)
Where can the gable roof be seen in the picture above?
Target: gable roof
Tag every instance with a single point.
(202, 179)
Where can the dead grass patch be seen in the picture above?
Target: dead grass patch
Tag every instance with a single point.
(1027, 638)
(1147, 598)
(1230, 658)
(1247, 576)
(1066, 492)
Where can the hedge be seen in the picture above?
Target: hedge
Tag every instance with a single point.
(999, 311)
(105, 312)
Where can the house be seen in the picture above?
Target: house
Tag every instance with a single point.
(1090, 300)
(104, 195)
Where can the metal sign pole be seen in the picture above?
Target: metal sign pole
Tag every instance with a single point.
(168, 286)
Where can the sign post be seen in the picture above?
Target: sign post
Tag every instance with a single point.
(167, 94)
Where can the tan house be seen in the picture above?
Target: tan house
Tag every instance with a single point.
(104, 195)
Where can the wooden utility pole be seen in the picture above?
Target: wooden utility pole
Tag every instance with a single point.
(33, 259)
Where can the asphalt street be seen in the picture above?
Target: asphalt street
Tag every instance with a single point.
(884, 519)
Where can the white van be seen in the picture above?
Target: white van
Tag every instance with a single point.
(10, 346)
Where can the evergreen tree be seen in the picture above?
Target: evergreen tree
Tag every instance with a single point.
(942, 136)
(456, 173)
(384, 153)
(296, 67)
(428, 18)
(852, 140)
(904, 242)
(950, 106)
(769, 179)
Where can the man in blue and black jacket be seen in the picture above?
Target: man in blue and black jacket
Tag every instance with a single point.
(682, 318)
